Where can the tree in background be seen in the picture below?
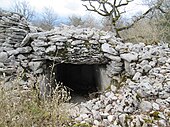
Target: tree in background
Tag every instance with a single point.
(154, 28)
(47, 19)
(112, 9)
(85, 21)
(91, 21)
(143, 31)
(162, 18)
(24, 8)
(165, 25)
(75, 20)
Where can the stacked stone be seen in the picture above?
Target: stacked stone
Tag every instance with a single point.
(68, 44)
(115, 66)
(144, 98)
(140, 94)
(13, 29)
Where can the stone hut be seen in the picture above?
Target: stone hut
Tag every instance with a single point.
(84, 58)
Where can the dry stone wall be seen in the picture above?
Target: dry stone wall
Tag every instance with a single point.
(13, 29)
(22, 45)
(70, 45)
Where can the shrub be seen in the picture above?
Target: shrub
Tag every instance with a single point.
(21, 107)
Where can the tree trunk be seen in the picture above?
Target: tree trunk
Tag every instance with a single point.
(113, 26)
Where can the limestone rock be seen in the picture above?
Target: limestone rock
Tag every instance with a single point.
(114, 58)
(129, 57)
(129, 69)
(96, 115)
(35, 65)
(137, 76)
(110, 118)
(12, 52)
(1, 65)
(145, 106)
(39, 43)
(122, 119)
(108, 108)
(97, 123)
(78, 42)
(155, 106)
(51, 49)
(107, 48)
(3, 57)
(26, 49)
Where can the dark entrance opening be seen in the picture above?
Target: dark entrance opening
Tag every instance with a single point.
(82, 79)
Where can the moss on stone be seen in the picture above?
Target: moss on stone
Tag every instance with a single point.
(62, 53)
(155, 115)
(87, 44)
(148, 121)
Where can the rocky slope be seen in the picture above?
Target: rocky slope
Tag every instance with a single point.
(141, 95)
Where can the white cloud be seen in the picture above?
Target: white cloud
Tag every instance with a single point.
(4, 4)
(72, 6)
(62, 7)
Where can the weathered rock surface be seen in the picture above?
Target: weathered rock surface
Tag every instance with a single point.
(13, 29)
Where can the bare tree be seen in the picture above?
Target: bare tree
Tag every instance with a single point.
(49, 19)
(162, 18)
(24, 8)
(112, 10)
(90, 21)
(75, 20)
(86, 21)
(144, 31)
(165, 21)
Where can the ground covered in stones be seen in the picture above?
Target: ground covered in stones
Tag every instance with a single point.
(142, 99)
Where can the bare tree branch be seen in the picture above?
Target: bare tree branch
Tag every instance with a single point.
(48, 19)
(24, 8)
(114, 12)
(123, 4)
(142, 16)
(95, 10)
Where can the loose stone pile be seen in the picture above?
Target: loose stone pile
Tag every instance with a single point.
(141, 99)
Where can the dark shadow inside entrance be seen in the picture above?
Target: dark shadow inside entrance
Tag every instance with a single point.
(82, 78)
